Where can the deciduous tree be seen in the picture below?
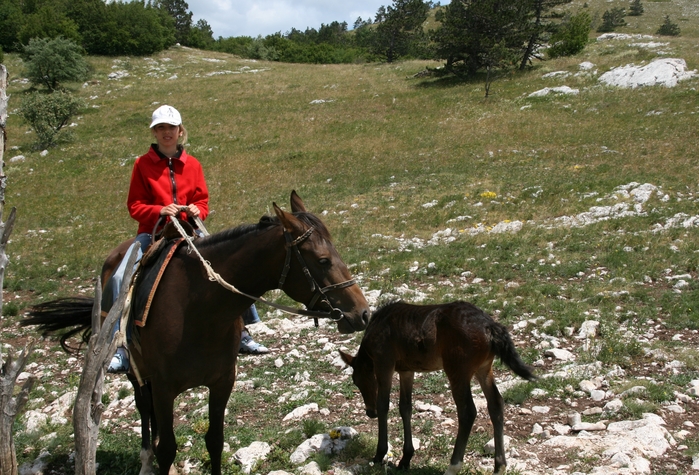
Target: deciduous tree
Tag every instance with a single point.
(51, 62)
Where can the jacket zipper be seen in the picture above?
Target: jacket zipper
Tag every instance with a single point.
(172, 180)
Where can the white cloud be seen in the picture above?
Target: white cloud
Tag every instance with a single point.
(263, 17)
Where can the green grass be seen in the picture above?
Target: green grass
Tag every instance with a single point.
(382, 147)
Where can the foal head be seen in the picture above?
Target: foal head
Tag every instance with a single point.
(317, 275)
(364, 378)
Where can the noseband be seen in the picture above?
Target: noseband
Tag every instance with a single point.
(292, 245)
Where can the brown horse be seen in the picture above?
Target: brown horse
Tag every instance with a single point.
(457, 337)
(194, 325)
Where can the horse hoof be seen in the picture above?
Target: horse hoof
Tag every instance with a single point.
(454, 469)
(147, 462)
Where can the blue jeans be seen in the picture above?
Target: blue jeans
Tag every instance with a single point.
(113, 287)
(250, 315)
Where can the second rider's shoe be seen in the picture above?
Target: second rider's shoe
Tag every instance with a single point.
(120, 362)
(250, 346)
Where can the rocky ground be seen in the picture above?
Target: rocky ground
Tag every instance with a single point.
(584, 426)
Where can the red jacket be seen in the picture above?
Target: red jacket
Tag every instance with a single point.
(152, 187)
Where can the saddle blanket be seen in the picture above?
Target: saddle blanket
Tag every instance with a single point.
(148, 278)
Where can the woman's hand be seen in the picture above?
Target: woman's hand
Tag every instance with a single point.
(173, 210)
(193, 211)
(170, 210)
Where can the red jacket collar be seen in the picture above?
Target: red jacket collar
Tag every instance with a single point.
(156, 156)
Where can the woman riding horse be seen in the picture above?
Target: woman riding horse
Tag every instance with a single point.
(165, 182)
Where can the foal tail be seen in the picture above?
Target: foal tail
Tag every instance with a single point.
(502, 345)
(73, 313)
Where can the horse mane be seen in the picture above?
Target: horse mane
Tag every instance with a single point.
(381, 312)
(264, 223)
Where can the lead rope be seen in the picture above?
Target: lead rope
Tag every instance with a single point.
(215, 277)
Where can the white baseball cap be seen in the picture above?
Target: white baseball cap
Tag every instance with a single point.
(166, 115)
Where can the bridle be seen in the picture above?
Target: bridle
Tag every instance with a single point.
(319, 295)
(292, 245)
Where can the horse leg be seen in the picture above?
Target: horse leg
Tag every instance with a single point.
(496, 409)
(383, 379)
(406, 411)
(142, 397)
(218, 399)
(167, 445)
(460, 381)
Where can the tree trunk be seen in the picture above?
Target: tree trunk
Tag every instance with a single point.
(87, 412)
(11, 404)
(534, 38)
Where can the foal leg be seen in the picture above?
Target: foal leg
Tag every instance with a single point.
(406, 411)
(460, 381)
(496, 408)
(382, 404)
(218, 398)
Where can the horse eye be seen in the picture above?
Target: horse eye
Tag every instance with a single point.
(324, 261)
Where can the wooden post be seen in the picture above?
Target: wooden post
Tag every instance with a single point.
(11, 404)
(5, 228)
(87, 412)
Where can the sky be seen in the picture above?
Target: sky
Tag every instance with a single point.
(264, 17)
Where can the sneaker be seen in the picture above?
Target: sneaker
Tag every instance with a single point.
(250, 346)
(119, 363)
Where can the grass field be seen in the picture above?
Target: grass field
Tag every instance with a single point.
(413, 176)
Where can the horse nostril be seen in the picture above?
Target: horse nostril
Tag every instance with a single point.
(365, 317)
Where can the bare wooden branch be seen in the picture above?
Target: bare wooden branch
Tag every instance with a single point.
(11, 405)
(87, 412)
(5, 230)
(3, 136)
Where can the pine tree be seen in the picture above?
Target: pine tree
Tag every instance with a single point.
(611, 19)
(668, 28)
(483, 34)
(636, 8)
(398, 25)
(540, 28)
(179, 11)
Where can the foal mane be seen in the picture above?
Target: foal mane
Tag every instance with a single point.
(265, 222)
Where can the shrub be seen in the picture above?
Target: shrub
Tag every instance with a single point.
(49, 113)
(572, 36)
(50, 62)
(668, 28)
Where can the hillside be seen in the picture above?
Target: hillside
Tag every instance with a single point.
(548, 212)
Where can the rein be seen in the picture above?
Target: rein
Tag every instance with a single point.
(335, 314)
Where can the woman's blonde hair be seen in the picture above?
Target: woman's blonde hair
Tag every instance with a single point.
(183, 138)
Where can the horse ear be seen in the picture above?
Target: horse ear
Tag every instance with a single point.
(346, 357)
(297, 202)
(288, 220)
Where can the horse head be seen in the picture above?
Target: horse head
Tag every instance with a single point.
(364, 378)
(317, 276)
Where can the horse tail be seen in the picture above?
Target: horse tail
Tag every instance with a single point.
(502, 345)
(73, 313)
